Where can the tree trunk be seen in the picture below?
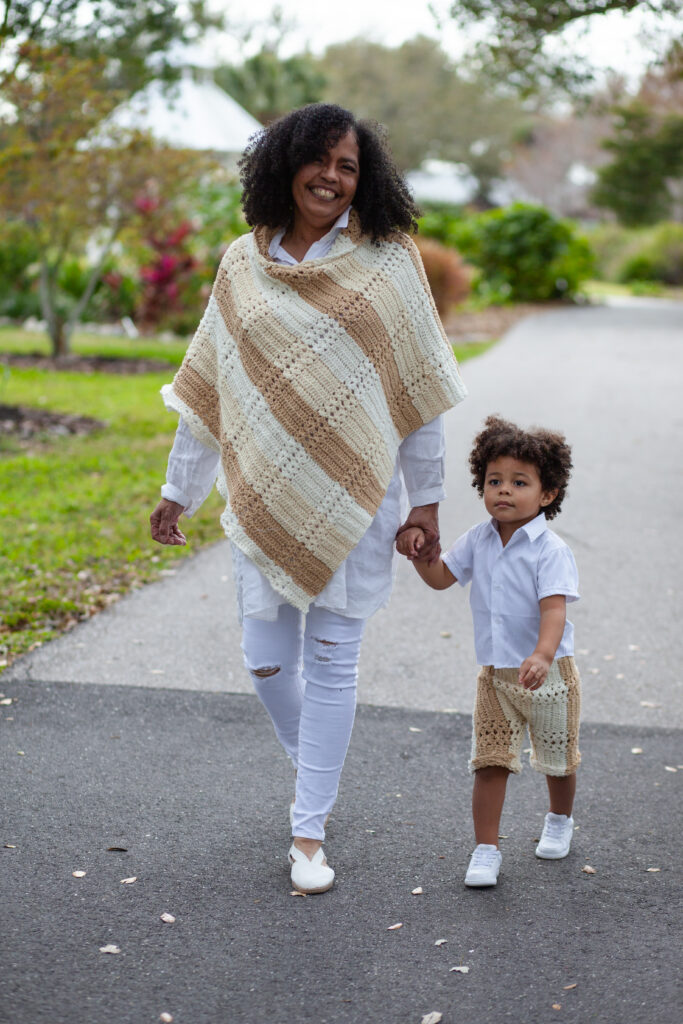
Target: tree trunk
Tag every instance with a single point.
(56, 327)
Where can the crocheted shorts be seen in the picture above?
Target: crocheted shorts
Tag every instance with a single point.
(504, 709)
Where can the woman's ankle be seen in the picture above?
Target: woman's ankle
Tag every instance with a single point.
(308, 846)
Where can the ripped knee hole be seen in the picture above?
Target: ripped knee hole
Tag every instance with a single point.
(266, 671)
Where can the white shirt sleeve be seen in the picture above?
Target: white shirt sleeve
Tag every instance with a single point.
(557, 574)
(460, 556)
(191, 471)
(422, 455)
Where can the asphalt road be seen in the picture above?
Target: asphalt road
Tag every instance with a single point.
(137, 731)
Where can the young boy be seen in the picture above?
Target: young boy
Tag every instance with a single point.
(522, 576)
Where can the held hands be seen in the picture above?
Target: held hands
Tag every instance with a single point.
(534, 670)
(411, 542)
(426, 519)
(164, 523)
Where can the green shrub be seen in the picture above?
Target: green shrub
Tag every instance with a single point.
(525, 254)
(658, 258)
(19, 255)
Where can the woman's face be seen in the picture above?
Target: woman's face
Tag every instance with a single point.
(324, 188)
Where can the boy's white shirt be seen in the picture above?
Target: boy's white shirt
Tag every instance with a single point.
(507, 585)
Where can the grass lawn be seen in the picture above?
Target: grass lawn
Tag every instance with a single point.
(75, 510)
(649, 289)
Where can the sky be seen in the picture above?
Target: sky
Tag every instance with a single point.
(612, 40)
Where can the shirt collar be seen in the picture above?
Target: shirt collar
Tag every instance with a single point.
(275, 250)
(533, 529)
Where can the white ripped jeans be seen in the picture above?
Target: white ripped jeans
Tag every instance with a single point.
(304, 669)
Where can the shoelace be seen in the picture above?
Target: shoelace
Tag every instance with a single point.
(555, 829)
(484, 858)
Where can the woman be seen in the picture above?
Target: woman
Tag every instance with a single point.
(313, 387)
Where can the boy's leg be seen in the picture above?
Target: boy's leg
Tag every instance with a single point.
(488, 797)
(561, 791)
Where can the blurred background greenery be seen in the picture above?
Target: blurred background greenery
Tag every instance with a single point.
(542, 179)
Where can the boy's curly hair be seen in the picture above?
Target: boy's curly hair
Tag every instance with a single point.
(547, 451)
(273, 156)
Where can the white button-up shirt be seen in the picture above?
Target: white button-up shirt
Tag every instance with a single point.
(507, 585)
(363, 582)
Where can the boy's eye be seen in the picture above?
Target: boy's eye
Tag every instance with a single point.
(494, 481)
(520, 483)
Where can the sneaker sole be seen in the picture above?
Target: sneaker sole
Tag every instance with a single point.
(481, 885)
(552, 856)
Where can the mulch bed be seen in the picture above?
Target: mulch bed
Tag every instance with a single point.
(24, 423)
(84, 364)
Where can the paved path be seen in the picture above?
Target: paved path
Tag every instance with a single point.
(611, 378)
(131, 732)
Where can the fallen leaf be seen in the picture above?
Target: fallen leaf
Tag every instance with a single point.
(413, 728)
(588, 870)
(78, 874)
(157, 672)
(166, 1018)
(620, 675)
(6, 700)
(395, 927)
(418, 891)
(568, 987)
(608, 657)
(636, 750)
(503, 837)
(653, 870)
(557, 1006)
(21, 753)
(432, 1018)
(594, 671)
(9, 846)
(460, 970)
(633, 647)
(295, 892)
(445, 634)
(129, 881)
(109, 949)
(117, 849)
(440, 942)
(670, 768)
(167, 918)
(649, 704)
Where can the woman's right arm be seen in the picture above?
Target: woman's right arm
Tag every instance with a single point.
(190, 475)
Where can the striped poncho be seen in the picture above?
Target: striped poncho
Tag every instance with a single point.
(306, 379)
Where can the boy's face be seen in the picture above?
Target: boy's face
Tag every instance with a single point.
(513, 493)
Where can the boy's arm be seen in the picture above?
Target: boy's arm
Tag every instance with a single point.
(534, 669)
(410, 543)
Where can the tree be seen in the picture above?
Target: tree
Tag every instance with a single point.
(132, 35)
(639, 183)
(428, 108)
(515, 35)
(74, 190)
(268, 86)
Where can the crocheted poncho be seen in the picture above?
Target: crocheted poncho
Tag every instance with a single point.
(306, 379)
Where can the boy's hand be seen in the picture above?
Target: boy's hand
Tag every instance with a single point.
(534, 671)
(426, 517)
(410, 542)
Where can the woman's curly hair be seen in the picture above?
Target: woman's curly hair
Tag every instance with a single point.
(547, 451)
(383, 200)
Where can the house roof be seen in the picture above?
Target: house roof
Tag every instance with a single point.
(189, 114)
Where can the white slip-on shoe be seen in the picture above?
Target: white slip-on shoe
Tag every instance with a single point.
(310, 876)
(556, 837)
(484, 866)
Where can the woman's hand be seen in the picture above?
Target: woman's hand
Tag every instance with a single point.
(164, 523)
(427, 518)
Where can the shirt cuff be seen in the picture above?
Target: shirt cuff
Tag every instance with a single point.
(172, 493)
(427, 496)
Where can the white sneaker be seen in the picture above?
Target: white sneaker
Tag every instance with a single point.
(556, 837)
(309, 876)
(484, 866)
